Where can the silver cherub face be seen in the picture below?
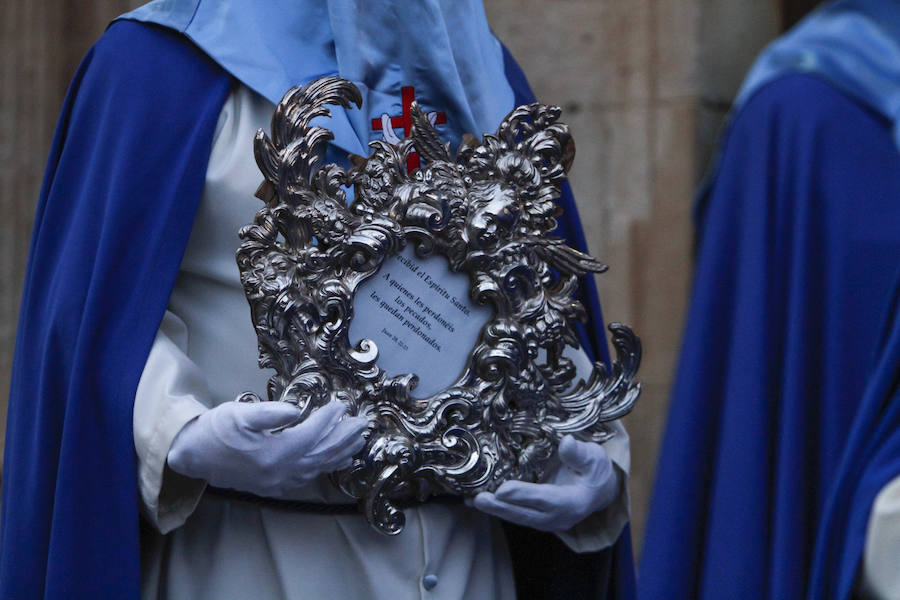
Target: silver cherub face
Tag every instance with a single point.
(489, 211)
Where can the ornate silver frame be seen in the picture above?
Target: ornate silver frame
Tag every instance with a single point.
(490, 211)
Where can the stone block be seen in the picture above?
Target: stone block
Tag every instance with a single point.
(581, 51)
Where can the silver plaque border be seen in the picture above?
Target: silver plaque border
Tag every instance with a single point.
(490, 211)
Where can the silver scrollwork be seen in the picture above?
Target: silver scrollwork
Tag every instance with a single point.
(490, 211)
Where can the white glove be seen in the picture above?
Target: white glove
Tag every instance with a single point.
(257, 447)
(584, 483)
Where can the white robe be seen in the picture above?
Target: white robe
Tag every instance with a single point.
(206, 353)
(880, 575)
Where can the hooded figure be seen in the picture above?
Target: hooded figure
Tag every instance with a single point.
(797, 252)
(135, 335)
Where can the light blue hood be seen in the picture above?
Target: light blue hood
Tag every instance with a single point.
(852, 44)
(444, 49)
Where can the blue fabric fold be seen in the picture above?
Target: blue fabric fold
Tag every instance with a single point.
(797, 253)
(113, 219)
(796, 259)
(870, 461)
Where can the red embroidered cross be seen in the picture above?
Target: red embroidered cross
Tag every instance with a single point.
(407, 95)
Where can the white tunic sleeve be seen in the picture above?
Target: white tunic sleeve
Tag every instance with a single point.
(171, 392)
(601, 529)
(880, 578)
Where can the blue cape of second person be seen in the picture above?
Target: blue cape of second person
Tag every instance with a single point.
(797, 254)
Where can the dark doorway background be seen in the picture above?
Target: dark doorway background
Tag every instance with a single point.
(794, 10)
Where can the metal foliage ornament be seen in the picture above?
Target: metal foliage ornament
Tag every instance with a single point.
(489, 211)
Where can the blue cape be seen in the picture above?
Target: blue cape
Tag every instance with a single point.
(797, 252)
(871, 460)
(114, 217)
(112, 223)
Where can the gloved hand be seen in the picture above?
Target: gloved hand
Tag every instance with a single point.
(585, 482)
(257, 448)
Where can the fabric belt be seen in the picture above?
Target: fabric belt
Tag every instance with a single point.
(320, 508)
